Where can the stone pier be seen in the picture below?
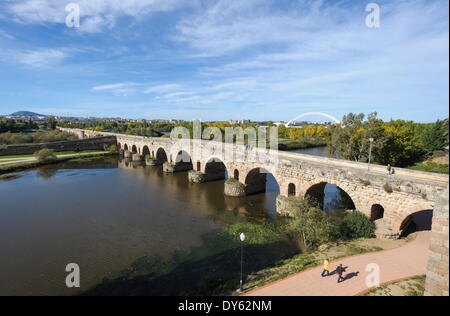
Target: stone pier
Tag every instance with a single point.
(201, 177)
(178, 167)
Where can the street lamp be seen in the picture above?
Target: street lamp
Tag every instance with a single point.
(370, 152)
(242, 237)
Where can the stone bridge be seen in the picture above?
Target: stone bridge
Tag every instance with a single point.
(392, 200)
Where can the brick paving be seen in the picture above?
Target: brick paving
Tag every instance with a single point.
(395, 264)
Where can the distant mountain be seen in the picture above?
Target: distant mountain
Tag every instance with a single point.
(26, 113)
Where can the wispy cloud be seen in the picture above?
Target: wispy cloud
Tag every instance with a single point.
(165, 88)
(254, 58)
(96, 14)
(41, 58)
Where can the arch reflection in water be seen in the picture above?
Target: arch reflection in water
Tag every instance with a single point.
(205, 199)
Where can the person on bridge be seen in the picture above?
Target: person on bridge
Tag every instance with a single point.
(388, 169)
(326, 268)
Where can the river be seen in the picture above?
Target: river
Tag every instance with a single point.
(103, 215)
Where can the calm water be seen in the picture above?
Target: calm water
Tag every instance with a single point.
(105, 214)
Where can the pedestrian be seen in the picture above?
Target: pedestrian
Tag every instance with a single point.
(389, 169)
(326, 268)
(340, 270)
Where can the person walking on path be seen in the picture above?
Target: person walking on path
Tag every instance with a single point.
(388, 169)
(340, 270)
(326, 268)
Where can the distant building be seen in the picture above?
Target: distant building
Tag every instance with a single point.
(235, 122)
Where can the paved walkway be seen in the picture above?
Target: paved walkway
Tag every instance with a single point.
(6, 161)
(399, 263)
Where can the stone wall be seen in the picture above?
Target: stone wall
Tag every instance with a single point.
(70, 145)
(437, 280)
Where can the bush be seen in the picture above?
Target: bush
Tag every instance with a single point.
(310, 226)
(357, 225)
(387, 187)
(45, 155)
(111, 148)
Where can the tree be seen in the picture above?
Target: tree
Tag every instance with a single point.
(435, 136)
(350, 139)
(45, 155)
(310, 226)
(51, 123)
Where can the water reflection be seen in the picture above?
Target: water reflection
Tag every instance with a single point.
(103, 215)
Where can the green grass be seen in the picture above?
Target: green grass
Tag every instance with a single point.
(414, 286)
(431, 167)
(18, 166)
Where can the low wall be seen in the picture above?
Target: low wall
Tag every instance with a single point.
(69, 145)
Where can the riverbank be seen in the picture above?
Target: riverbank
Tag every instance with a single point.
(29, 162)
(213, 268)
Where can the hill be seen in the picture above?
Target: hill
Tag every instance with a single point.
(26, 113)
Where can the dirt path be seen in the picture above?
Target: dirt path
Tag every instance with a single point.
(6, 161)
(395, 264)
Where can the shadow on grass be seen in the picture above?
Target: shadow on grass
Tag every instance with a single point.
(216, 274)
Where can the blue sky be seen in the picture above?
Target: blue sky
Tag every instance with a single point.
(225, 59)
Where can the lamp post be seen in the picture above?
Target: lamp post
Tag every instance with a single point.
(370, 151)
(242, 237)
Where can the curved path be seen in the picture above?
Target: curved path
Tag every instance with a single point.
(395, 264)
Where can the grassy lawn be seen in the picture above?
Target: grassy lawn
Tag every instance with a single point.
(17, 166)
(431, 167)
(56, 153)
(414, 286)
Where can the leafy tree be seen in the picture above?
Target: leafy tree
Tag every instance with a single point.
(45, 155)
(310, 226)
(350, 139)
(357, 225)
(435, 137)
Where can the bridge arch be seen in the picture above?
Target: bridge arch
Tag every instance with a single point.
(125, 147)
(134, 149)
(216, 166)
(236, 174)
(183, 156)
(417, 221)
(161, 154)
(145, 151)
(325, 194)
(292, 191)
(257, 180)
(376, 212)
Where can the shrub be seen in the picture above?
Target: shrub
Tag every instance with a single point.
(387, 188)
(111, 148)
(310, 226)
(357, 225)
(45, 155)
